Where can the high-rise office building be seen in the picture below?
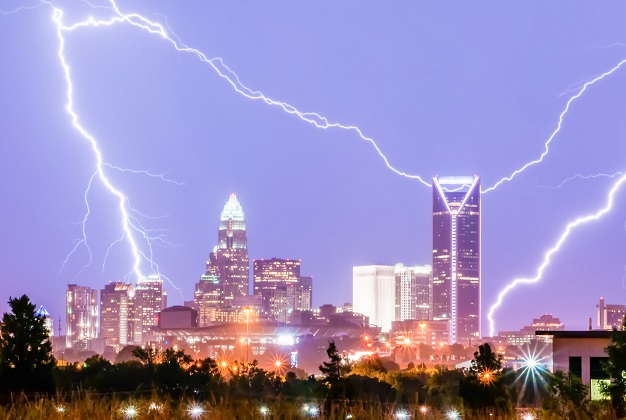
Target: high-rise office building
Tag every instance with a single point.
(281, 287)
(413, 292)
(81, 316)
(456, 255)
(119, 319)
(149, 301)
(229, 260)
(208, 297)
(374, 293)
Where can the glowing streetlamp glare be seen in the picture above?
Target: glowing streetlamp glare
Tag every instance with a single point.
(130, 412)
(407, 341)
(195, 411)
(453, 414)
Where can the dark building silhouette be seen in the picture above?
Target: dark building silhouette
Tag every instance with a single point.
(229, 260)
(456, 255)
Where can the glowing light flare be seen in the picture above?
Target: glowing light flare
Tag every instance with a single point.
(487, 377)
(310, 410)
(402, 415)
(453, 414)
(195, 411)
(155, 406)
(264, 410)
(130, 411)
(548, 255)
(558, 127)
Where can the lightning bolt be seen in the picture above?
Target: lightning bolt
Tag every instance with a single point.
(546, 149)
(83, 240)
(130, 225)
(548, 255)
(579, 176)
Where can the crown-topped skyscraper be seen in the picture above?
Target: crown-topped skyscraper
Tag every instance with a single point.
(229, 260)
(456, 255)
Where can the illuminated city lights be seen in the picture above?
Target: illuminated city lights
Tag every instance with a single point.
(453, 414)
(130, 411)
(310, 410)
(195, 411)
(60, 409)
(131, 229)
(155, 406)
(402, 415)
(487, 377)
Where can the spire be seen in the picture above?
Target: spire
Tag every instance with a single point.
(232, 210)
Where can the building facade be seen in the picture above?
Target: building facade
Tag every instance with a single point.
(281, 287)
(610, 315)
(119, 319)
(413, 298)
(149, 301)
(81, 316)
(374, 292)
(456, 255)
(229, 260)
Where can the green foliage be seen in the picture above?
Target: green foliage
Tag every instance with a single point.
(26, 361)
(616, 368)
(486, 388)
(567, 396)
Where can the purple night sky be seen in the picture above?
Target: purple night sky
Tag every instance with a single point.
(472, 89)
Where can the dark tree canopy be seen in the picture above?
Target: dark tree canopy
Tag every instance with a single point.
(26, 361)
(616, 369)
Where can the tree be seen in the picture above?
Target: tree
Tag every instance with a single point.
(126, 354)
(616, 369)
(334, 369)
(567, 395)
(26, 361)
(485, 387)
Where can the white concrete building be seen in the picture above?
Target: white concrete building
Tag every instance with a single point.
(374, 293)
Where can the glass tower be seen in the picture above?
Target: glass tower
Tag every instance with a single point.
(456, 255)
(229, 260)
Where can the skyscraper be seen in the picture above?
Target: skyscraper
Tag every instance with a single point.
(413, 292)
(281, 287)
(81, 316)
(208, 298)
(119, 319)
(456, 255)
(374, 293)
(229, 260)
(150, 301)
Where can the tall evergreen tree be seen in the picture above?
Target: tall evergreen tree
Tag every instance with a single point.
(26, 360)
(333, 369)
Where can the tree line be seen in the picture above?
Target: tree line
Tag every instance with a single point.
(486, 387)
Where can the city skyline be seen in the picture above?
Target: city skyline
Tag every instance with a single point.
(452, 99)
